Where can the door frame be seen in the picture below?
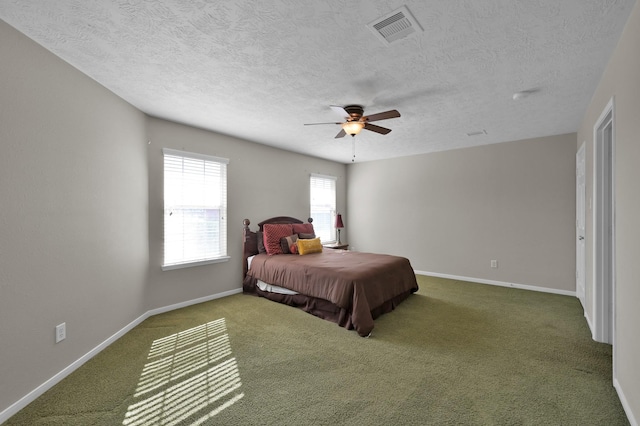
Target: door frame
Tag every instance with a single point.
(581, 215)
(604, 227)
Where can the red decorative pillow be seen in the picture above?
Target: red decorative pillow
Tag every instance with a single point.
(272, 233)
(304, 228)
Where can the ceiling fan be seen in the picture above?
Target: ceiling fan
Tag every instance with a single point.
(355, 120)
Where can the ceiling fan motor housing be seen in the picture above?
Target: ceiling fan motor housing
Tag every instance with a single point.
(355, 112)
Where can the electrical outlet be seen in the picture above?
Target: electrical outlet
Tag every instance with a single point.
(61, 332)
(494, 263)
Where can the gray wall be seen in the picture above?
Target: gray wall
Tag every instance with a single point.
(621, 82)
(453, 212)
(73, 224)
(81, 221)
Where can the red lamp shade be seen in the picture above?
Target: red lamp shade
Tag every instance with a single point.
(339, 223)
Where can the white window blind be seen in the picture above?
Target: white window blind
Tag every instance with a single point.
(195, 208)
(323, 206)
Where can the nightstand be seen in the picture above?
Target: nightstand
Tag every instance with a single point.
(336, 246)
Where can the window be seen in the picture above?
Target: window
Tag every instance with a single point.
(195, 209)
(323, 206)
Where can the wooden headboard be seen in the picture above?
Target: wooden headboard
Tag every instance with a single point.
(250, 238)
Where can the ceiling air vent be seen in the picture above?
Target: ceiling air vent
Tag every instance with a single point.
(395, 26)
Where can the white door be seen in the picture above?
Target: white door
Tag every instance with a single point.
(580, 224)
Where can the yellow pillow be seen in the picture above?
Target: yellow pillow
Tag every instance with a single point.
(309, 246)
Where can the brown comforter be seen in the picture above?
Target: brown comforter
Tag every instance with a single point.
(358, 282)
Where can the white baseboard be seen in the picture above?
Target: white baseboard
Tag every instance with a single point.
(590, 325)
(625, 403)
(34, 394)
(192, 302)
(499, 283)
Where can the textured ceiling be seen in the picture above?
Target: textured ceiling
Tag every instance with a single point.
(259, 70)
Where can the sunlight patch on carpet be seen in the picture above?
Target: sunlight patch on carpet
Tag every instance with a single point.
(191, 375)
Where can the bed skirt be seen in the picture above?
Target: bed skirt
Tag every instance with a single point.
(321, 308)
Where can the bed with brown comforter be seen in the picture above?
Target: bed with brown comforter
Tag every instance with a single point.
(346, 287)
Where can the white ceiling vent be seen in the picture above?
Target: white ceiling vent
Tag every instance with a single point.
(395, 26)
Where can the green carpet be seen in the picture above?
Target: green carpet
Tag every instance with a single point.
(454, 353)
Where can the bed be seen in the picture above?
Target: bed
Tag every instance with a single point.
(348, 288)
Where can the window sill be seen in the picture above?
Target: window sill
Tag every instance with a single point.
(192, 264)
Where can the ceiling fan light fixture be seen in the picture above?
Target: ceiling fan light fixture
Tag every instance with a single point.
(352, 127)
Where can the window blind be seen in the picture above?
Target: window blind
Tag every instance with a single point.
(195, 208)
(323, 206)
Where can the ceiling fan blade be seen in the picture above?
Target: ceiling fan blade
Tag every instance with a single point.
(315, 124)
(377, 129)
(341, 134)
(340, 111)
(383, 115)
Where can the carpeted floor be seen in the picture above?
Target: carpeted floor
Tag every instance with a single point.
(454, 353)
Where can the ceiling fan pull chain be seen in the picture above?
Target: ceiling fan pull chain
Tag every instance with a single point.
(353, 139)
